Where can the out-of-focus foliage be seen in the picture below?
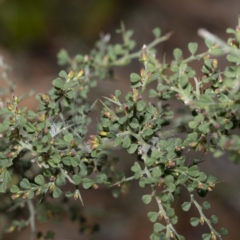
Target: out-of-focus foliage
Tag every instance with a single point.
(26, 23)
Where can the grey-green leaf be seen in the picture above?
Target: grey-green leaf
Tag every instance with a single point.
(39, 179)
(152, 216)
(134, 77)
(147, 198)
(25, 184)
(192, 47)
(87, 183)
(158, 227)
(56, 192)
(156, 32)
(14, 189)
(186, 206)
(194, 221)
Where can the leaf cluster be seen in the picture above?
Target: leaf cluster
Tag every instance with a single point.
(53, 144)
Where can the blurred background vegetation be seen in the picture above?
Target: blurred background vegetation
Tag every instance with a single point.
(32, 33)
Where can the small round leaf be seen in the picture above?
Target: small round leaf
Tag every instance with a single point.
(147, 198)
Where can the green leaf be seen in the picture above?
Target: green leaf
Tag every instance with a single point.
(170, 212)
(155, 236)
(152, 216)
(30, 194)
(56, 192)
(194, 221)
(63, 74)
(66, 161)
(147, 198)
(193, 136)
(202, 177)
(223, 232)
(118, 49)
(174, 220)
(205, 99)
(152, 93)
(122, 120)
(3, 187)
(14, 189)
(136, 167)
(3, 127)
(193, 124)
(87, 183)
(204, 127)
(83, 170)
(183, 81)
(151, 109)
(60, 180)
(117, 141)
(211, 179)
(128, 33)
(79, 58)
(230, 30)
(206, 205)
(70, 94)
(58, 83)
(155, 76)
(150, 161)
(208, 43)
(148, 132)
(117, 93)
(181, 237)
(74, 161)
(164, 197)
(25, 184)
(68, 138)
(131, 44)
(63, 57)
(156, 32)
(171, 154)
(214, 219)
(233, 58)
(192, 47)
(169, 179)
(199, 118)
(171, 187)
(206, 236)
(56, 157)
(186, 206)
(101, 178)
(193, 171)
(157, 172)
(134, 123)
(155, 154)
(182, 178)
(39, 179)
(177, 53)
(134, 77)
(126, 142)
(140, 105)
(69, 194)
(132, 149)
(76, 179)
(158, 227)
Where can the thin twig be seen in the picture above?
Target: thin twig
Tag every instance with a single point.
(215, 40)
(199, 208)
(32, 218)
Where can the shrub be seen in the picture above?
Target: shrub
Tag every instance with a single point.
(44, 150)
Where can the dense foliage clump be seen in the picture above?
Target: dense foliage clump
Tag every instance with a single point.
(44, 150)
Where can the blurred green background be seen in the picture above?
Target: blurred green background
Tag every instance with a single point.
(31, 34)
